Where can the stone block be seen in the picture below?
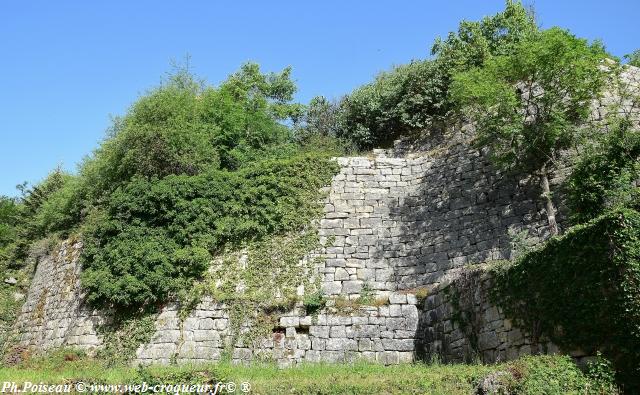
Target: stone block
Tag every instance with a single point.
(303, 342)
(338, 331)
(351, 287)
(388, 357)
(341, 274)
(289, 321)
(318, 344)
(341, 344)
(332, 288)
(319, 331)
(396, 298)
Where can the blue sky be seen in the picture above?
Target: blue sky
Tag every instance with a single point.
(66, 66)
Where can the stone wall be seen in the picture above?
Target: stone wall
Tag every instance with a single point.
(403, 222)
(460, 324)
(391, 225)
(385, 334)
(395, 224)
(54, 314)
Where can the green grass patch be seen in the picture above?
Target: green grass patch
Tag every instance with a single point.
(529, 375)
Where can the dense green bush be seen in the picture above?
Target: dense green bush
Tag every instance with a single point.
(634, 58)
(556, 374)
(606, 176)
(188, 170)
(582, 290)
(406, 99)
(156, 235)
(415, 96)
(187, 127)
(9, 218)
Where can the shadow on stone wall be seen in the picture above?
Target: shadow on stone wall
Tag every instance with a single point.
(461, 212)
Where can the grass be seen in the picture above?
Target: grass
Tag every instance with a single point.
(529, 375)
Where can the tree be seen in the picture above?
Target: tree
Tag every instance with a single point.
(9, 218)
(633, 58)
(415, 97)
(476, 41)
(530, 105)
(186, 127)
(409, 98)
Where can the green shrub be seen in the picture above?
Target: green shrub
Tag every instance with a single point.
(413, 97)
(605, 176)
(124, 335)
(9, 219)
(314, 302)
(582, 290)
(185, 127)
(157, 235)
(634, 58)
(602, 374)
(407, 99)
(553, 375)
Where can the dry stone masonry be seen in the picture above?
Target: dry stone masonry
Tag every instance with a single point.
(460, 324)
(54, 314)
(404, 227)
(392, 227)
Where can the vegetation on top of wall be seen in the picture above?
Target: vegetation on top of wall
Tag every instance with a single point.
(189, 170)
(530, 105)
(633, 58)
(9, 218)
(155, 236)
(582, 290)
(607, 175)
(415, 97)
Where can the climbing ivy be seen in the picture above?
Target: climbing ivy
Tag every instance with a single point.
(582, 290)
(123, 336)
(258, 281)
(157, 236)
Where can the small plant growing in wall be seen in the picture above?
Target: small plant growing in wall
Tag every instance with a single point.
(366, 294)
(314, 302)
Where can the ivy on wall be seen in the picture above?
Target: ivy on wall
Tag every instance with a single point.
(582, 290)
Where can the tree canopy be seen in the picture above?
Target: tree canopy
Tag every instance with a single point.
(415, 97)
(529, 105)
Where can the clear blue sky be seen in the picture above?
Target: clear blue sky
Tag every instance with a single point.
(66, 66)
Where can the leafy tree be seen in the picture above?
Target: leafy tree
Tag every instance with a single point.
(248, 107)
(634, 58)
(406, 99)
(319, 126)
(530, 105)
(476, 41)
(607, 175)
(9, 219)
(414, 97)
(186, 127)
(320, 118)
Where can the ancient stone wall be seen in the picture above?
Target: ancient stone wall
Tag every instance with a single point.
(460, 324)
(54, 314)
(395, 224)
(391, 226)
